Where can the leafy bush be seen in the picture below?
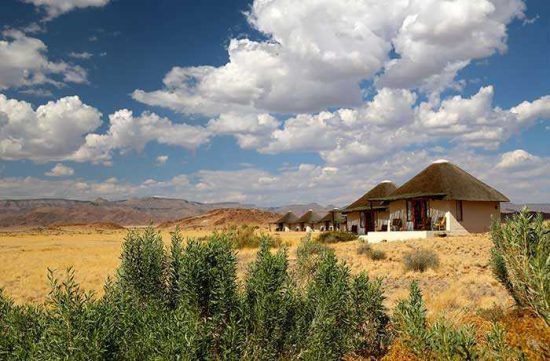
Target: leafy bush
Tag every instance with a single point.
(370, 336)
(520, 261)
(308, 256)
(246, 236)
(375, 254)
(336, 236)
(441, 341)
(143, 264)
(191, 308)
(270, 303)
(420, 260)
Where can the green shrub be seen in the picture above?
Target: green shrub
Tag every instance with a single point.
(270, 304)
(246, 236)
(143, 264)
(71, 329)
(327, 310)
(375, 254)
(208, 281)
(20, 329)
(410, 321)
(370, 334)
(190, 308)
(308, 255)
(175, 268)
(420, 260)
(520, 261)
(336, 236)
(442, 341)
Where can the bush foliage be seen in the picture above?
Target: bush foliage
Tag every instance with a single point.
(336, 236)
(443, 341)
(185, 303)
(521, 261)
(375, 254)
(420, 260)
(247, 236)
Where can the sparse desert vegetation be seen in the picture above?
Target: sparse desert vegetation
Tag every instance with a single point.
(420, 260)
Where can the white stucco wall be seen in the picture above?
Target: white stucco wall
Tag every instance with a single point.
(476, 216)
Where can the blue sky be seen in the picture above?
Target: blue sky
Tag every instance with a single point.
(272, 101)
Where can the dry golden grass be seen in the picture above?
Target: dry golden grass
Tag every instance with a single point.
(462, 282)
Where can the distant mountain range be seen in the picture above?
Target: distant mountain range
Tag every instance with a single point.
(533, 207)
(140, 211)
(135, 211)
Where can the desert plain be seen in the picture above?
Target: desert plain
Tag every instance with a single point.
(462, 282)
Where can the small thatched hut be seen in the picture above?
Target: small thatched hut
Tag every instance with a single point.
(286, 222)
(332, 221)
(442, 197)
(369, 213)
(309, 221)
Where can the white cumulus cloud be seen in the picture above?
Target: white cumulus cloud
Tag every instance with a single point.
(317, 53)
(128, 132)
(60, 170)
(55, 8)
(51, 132)
(23, 62)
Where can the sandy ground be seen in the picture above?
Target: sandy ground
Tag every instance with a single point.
(463, 281)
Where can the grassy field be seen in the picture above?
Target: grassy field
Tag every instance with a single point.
(462, 282)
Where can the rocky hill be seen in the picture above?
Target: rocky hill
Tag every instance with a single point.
(222, 218)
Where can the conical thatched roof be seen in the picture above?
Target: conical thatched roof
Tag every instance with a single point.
(309, 217)
(328, 217)
(288, 218)
(381, 190)
(447, 181)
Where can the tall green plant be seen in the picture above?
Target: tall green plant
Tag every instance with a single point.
(143, 264)
(20, 329)
(208, 281)
(71, 330)
(370, 332)
(175, 266)
(269, 304)
(521, 261)
(330, 328)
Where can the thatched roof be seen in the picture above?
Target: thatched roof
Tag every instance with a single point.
(445, 180)
(288, 218)
(381, 190)
(328, 217)
(309, 217)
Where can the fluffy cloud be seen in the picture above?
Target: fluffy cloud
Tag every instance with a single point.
(531, 111)
(303, 183)
(63, 130)
(60, 170)
(393, 121)
(518, 159)
(251, 131)
(317, 53)
(436, 39)
(55, 8)
(51, 132)
(23, 62)
(128, 132)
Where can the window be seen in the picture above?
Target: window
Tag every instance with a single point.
(409, 211)
(459, 211)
